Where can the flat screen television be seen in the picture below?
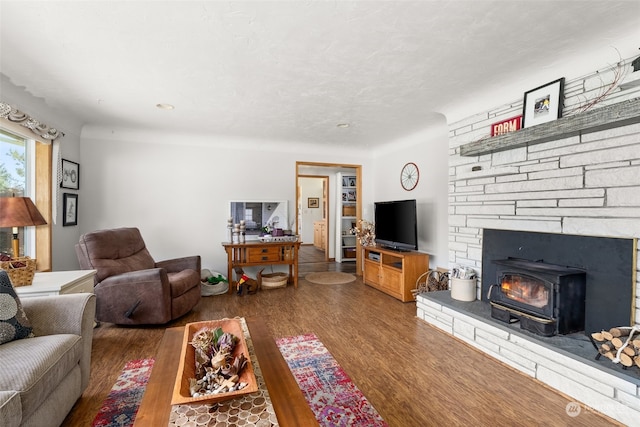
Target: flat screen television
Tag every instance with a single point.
(397, 224)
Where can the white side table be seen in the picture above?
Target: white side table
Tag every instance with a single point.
(57, 283)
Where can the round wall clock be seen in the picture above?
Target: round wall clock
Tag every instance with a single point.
(409, 176)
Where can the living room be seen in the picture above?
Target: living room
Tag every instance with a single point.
(176, 186)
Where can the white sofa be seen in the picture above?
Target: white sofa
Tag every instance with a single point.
(42, 377)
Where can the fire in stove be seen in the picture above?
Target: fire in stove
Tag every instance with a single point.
(525, 290)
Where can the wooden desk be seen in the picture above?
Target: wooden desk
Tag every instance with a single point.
(286, 397)
(262, 253)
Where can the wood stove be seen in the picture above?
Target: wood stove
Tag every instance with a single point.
(547, 299)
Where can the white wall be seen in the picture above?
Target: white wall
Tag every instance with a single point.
(176, 188)
(429, 151)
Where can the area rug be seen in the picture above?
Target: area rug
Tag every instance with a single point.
(330, 278)
(121, 405)
(333, 397)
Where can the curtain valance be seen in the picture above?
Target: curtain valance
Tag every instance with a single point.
(45, 133)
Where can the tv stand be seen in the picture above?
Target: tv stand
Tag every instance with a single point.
(395, 248)
(394, 272)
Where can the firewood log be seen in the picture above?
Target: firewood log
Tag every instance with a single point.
(609, 354)
(617, 342)
(625, 360)
(637, 359)
(620, 332)
(608, 347)
(636, 343)
(597, 336)
(607, 335)
(630, 351)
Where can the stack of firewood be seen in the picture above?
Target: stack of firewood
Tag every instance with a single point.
(621, 345)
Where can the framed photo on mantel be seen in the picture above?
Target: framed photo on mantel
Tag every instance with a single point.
(543, 104)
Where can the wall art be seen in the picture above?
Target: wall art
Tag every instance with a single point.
(70, 175)
(70, 209)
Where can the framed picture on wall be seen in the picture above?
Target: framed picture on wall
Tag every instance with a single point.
(313, 202)
(70, 209)
(543, 104)
(70, 175)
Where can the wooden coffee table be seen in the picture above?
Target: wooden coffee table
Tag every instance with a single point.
(286, 397)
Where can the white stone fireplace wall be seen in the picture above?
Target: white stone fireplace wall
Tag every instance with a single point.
(583, 185)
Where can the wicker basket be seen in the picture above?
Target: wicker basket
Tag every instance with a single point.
(349, 211)
(274, 280)
(20, 270)
(432, 280)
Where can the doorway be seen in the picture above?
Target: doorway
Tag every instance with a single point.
(314, 216)
(329, 172)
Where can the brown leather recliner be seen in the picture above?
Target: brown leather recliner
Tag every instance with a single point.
(130, 287)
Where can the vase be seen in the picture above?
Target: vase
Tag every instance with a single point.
(463, 289)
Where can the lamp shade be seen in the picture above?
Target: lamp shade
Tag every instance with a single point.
(19, 212)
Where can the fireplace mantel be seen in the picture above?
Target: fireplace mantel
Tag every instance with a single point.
(607, 117)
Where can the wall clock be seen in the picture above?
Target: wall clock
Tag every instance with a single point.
(409, 176)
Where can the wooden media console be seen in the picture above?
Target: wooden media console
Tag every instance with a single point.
(394, 272)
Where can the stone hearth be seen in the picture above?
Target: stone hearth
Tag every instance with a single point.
(566, 363)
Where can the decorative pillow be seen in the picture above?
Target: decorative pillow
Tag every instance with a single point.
(14, 324)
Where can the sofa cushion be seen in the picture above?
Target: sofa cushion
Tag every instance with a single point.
(35, 367)
(14, 324)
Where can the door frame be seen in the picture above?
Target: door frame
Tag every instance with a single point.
(329, 204)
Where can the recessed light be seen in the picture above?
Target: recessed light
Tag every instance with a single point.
(343, 125)
(165, 106)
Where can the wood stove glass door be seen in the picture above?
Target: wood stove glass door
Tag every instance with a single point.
(526, 291)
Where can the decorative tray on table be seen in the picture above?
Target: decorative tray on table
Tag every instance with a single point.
(187, 368)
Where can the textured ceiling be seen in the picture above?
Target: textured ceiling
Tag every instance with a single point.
(293, 70)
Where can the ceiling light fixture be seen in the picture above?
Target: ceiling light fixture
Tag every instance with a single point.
(343, 125)
(165, 106)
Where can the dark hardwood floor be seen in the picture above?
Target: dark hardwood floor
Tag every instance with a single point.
(414, 374)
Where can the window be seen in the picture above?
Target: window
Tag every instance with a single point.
(25, 170)
(13, 181)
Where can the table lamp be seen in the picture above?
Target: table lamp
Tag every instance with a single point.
(18, 212)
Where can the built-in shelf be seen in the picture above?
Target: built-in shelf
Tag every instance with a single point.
(607, 117)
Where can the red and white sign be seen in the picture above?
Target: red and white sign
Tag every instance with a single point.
(505, 126)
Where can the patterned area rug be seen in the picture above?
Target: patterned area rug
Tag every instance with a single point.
(121, 406)
(332, 396)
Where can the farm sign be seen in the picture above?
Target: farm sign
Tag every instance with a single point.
(506, 126)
